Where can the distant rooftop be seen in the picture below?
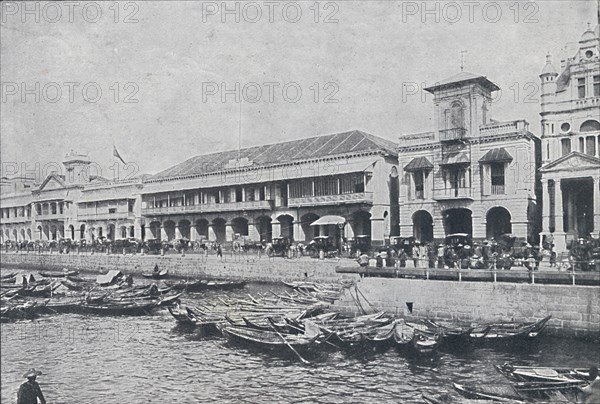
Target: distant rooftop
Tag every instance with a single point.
(286, 152)
(463, 78)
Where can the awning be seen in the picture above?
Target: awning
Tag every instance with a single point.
(419, 163)
(499, 155)
(329, 219)
(456, 158)
(109, 277)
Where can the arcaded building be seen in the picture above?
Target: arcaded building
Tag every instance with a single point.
(278, 190)
(471, 174)
(570, 106)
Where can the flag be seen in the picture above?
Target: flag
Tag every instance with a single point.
(117, 155)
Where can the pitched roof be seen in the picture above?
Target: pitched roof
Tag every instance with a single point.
(463, 77)
(286, 152)
(418, 163)
(498, 155)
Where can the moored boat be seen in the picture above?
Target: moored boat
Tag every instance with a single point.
(156, 274)
(543, 374)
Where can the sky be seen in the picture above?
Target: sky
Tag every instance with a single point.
(158, 79)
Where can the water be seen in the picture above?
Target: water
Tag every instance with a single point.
(150, 360)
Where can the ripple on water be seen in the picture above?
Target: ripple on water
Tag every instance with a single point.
(145, 360)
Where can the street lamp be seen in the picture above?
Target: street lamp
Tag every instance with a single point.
(341, 227)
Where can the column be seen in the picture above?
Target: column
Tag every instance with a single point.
(276, 228)
(546, 207)
(299, 231)
(163, 233)
(349, 230)
(377, 232)
(211, 232)
(253, 232)
(228, 232)
(193, 232)
(177, 232)
(597, 206)
(137, 229)
(559, 234)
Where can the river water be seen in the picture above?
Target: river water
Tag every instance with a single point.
(150, 360)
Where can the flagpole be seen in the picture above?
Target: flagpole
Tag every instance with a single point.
(240, 132)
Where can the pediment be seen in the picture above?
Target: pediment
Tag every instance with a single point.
(52, 182)
(573, 161)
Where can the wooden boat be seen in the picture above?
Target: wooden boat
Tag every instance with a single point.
(503, 393)
(450, 332)
(382, 334)
(201, 285)
(509, 330)
(8, 276)
(58, 274)
(268, 339)
(543, 374)
(116, 309)
(409, 338)
(156, 275)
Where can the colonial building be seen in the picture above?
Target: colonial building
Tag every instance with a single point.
(570, 106)
(277, 190)
(348, 180)
(76, 205)
(471, 174)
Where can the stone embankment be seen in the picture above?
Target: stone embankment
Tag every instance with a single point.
(575, 309)
(250, 268)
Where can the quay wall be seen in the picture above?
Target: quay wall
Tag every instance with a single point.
(575, 310)
(194, 266)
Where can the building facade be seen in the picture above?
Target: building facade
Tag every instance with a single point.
(278, 190)
(570, 117)
(471, 174)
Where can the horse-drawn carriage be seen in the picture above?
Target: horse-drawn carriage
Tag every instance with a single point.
(278, 246)
(585, 254)
(322, 243)
(360, 244)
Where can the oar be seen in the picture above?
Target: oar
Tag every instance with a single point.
(287, 343)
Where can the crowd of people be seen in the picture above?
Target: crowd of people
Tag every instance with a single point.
(488, 254)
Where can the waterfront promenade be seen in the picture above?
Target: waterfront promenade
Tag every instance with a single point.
(437, 294)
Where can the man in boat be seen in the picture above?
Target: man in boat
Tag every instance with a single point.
(591, 393)
(30, 391)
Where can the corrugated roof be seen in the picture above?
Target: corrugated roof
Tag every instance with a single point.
(419, 163)
(287, 152)
(498, 155)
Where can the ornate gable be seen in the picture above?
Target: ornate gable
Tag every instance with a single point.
(573, 161)
(51, 182)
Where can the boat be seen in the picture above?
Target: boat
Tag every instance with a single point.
(8, 276)
(156, 274)
(268, 339)
(116, 309)
(110, 278)
(544, 374)
(502, 393)
(413, 340)
(201, 285)
(58, 274)
(450, 332)
(509, 330)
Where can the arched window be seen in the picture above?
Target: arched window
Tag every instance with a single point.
(457, 115)
(590, 126)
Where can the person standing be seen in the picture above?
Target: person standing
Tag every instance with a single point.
(591, 393)
(219, 251)
(415, 254)
(30, 391)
